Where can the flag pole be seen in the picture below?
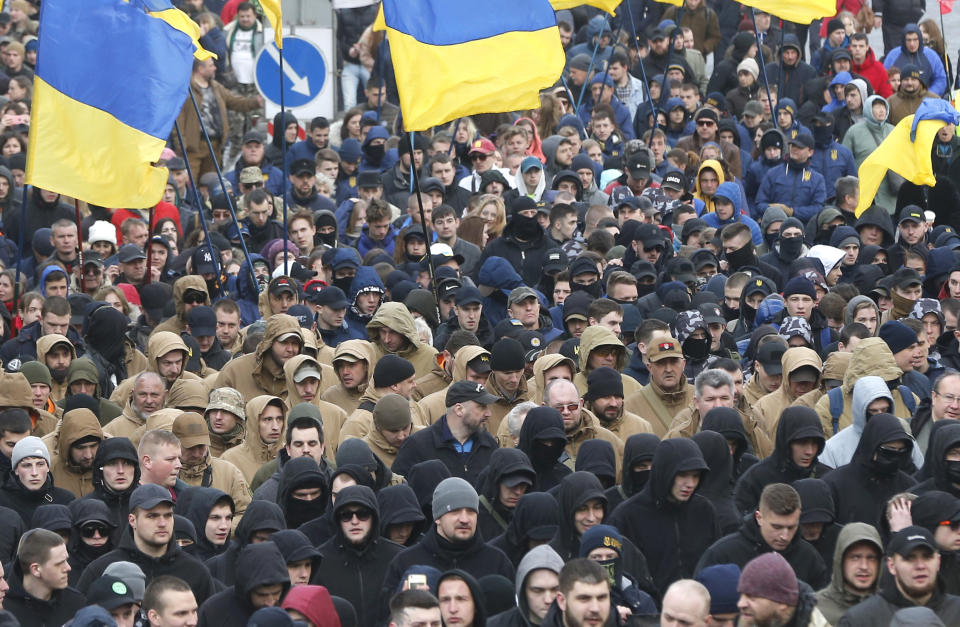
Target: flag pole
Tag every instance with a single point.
(23, 227)
(76, 216)
(946, 61)
(643, 71)
(762, 64)
(203, 220)
(223, 184)
(149, 250)
(283, 142)
(586, 83)
(665, 90)
(427, 233)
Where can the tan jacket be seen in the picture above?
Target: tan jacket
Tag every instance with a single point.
(349, 400)
(590, 429)
(766, 411)
(434, 381)
(253, 452)
(224, 476)
(76, 424)
(381, 448)
(257, 374)
(59, 389)
(625, 425)
(190, 123)
(126, 424)
(396, 316)
(537, 383)
(333, 416)
(158, 345)
(667, 405)
(434, 405)
(593, 338)
(500, 409)
(178, 322)
(753, 391)
(688, 422)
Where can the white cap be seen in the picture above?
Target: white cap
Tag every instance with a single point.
(441, 249)
(102, 231)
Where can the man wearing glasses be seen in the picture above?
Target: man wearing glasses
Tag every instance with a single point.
(707, 121)
(355, 560)
(944, 403)
(481, 156)
(252, 155)
(579, 425)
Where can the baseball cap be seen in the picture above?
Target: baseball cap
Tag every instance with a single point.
(109, 593)
(555, 260)
(769, 356)
(251, 174)
(530, 163)
(905, 277)
(906, 540)
(369, 178)
(532, 342)
(480, 364)
(521, 293)
(202, 321)
(191, 429)
(306, 371)
(130, 252)
(649, 235)
(483, 146)
(254, 136)
(674, 180)
(463, 391)
(303, 166)
(802, 139)
(639, 165)
(331, 296)
(467, 295)
(806, 374)
(448, 289)
(664, 349)
(913, 214)
(149, 495)
(712, 314)
(227, 399)
(283, 284)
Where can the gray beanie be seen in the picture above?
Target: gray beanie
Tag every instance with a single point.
(130, 574)
(30, 446)
(454, 493)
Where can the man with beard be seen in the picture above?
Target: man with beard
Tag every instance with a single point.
(914, 563)
(149, 395)
(604, 398)
(912, 91)
(76, 448)
(579, 425)
(57, 352)
(856, 571)
(584, 596)
(355, 560)
(506, 381)
(200, 468)
(771, 595)
(167, 355)
(150, 544)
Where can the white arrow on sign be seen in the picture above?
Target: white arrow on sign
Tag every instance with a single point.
(301, 84)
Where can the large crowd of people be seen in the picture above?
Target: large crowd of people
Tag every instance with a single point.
(628, 358)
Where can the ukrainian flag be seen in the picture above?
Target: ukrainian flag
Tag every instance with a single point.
(454, 58)
(794, 10)
(110, 81)
(606, 5)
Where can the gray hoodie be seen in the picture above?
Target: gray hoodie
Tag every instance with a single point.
(852, 308)
(834, 600)
(543, 556)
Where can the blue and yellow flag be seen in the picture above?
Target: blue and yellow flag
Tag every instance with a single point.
(605, 5)
(110, 81)
(906, 150)
(800, 12)
(454, 58)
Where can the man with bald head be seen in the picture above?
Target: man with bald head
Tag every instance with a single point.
(579, 424)
(686, 604)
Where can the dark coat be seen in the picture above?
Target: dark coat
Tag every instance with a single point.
(118, 502)
(34, 612)
(639, 447)
(260, 515)
(258, 565)
(527, 258)
(535, 518)
(880, 608)
(717, 486)
(494, 516)
(541, 426)
(672, 536)
(431, 443)
(14, 495)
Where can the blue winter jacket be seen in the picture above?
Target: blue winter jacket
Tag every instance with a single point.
(799, 187)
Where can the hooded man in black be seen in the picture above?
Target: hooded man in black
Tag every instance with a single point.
(355, 560)
(507, 478)
(115, 493)
(930, 511)
(302, 558)
(773, 527)
(786, 250)
(717, 486)
(862, 488)
(324, 527)
(424, 479)
(523, 242)
(303, 492)
(543, 439)
(637, 462)
(668, 521)
(262, 581)
(582, 505)
(728, 423)
(818, 516)
(536, 519)
(87, 515)
(479, 617)
(599, 459)
(798, 444)
(401, 519)
(942, 462)
(196, 504)
(260, 520)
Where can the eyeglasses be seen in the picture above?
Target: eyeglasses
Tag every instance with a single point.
(193, 298)
(950, 398)
(362, 515)
(706, 123)
(569, 407)
(252, 185)
(479, 157)
(91, 531)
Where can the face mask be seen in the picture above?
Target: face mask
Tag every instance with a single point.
(594, 289)
(749, 313)
(374, 153)
(770, 239)
(623, 303)
(695, 348)
(610, 566)
(729, 313)
(330, 239)
(526, 228)
(741, 257)
(643, 290)
(344, 283)
(953, 471)
(299, 512)
(639, 478)
(889, 461)
(790, 247)
(544, 456)
(824, 235)
(822, 135)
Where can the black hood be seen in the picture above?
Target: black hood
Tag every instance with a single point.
(479, 600)
(536, 516)
(727, 422)
(503, 462)
(259, 565)
(541, 423)
(363, 496)
(942, 441)
(424, 478)
(575, 490)
(83, 511)
(816, 501)
(52, 517)
(356, 451)
(295, 546)
(638, 448)
(796, 423)
(598, 457)
(878, 216)
(298, 473)
(195, 504)
(672, 457)
(259, 515)
(716, 452)
(112, 449)
(398, 504)
(879, 429)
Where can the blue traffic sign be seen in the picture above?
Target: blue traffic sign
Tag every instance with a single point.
(304, 72)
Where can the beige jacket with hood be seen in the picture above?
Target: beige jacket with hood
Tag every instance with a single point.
(253, 452)
(178, 323)
(535, 385)
(434, 405)
(666, 406)
(396, 316)
(500, 409)
(59, 389)
(360, 422)
(835, 367)
(76, 424)
(766, 411)
(590, 429)
(333, 416)
(158, 345)
(871, 356)
(349, 400)
(15, 391)
(593, 338)
(258, 373)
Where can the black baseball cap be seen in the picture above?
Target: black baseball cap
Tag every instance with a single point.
(906, 540)
(130, 252)
(480, 364)
(649, 235)
(803, 139)
(675, 180)
(330, 296)
(463, 391)
(905, 277)
(448, 289)
(466, 295)
(769, 355)
(283, 284)
(712, 313)
(532, 342)
(110, 593)
(303, 166)
(202, 321)
(555, 260)
(149, 495)
(911, 213)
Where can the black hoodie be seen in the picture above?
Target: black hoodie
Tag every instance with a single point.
(424, 479)
(796, 423)
(195, 503)
(598, 458)
(260, 515)
(298, 473)
(258, 565)
(575, 490)
(109, 450)
(322, 528)
(494, 516)
(83, 511)
(398, 505)
(862, 488)
(296, 547)
(639, 447)
(717, 486)
(817, 506)
(544, 424)
(33, 612)
(935, 467)
(672, 536)
(14, 495)
(356, 572)
(479, 599)
(880, 608)
(535, 518)
(727, 422)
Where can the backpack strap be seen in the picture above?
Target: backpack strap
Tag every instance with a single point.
(836, 407)
(907, 395)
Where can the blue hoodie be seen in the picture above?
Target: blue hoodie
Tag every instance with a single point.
(498, 273)
(365, 280)
(386, 162)
(924, 58)
(47, 272)
(731, 191)
(834, 105)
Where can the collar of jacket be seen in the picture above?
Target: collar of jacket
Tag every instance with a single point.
(670, 397)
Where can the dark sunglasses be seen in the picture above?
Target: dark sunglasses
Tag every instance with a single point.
(347, 515)
(193, 298)
(90, 531)
(706, 123)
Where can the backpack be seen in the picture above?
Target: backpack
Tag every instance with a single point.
(836, 403)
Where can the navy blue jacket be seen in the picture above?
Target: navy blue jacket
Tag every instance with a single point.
(833, 161)
(801, 188)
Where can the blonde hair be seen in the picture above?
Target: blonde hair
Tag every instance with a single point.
(496, 228)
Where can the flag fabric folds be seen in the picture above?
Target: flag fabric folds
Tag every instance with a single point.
(273, 11)
(906, 150)
(946, 6)
(798, 11)
(104, 105)
(454, 58)
(605, 5)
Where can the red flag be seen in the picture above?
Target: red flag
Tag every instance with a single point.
(945, 6)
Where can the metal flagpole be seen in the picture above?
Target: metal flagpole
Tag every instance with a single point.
(283, 143)
(762, 64)
(643, 71)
